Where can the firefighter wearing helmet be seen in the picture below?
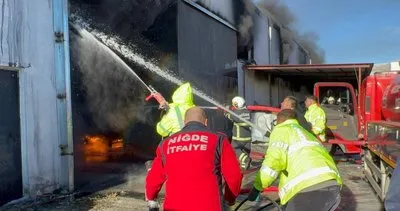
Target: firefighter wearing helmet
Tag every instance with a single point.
(241, 132)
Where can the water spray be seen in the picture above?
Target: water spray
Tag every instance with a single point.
(84, 32)
(113, 45)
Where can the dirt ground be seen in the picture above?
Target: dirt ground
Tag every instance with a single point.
(357, 194)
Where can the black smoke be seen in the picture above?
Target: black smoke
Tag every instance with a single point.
(282, 14)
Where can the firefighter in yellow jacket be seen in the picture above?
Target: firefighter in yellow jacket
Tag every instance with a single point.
(316, 116)
(172, 121)
(308, 176)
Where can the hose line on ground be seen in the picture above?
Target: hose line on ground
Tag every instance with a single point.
(272, 202)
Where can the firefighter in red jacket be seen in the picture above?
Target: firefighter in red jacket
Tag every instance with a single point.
(194, 163)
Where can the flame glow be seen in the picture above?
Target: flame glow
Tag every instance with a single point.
(100, 149)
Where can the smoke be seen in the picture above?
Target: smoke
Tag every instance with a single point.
(286, 44)
(135, 176)
(127, 17)
(245, 25)
(282, 14)
(308, 41)
(115, 98)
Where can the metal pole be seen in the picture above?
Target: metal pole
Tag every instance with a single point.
(63, 87)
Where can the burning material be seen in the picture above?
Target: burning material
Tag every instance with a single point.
(100, 149)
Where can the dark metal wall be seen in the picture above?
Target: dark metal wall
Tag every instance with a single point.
(104, 95)
(207, 52)
(173, 35)
(10, 140)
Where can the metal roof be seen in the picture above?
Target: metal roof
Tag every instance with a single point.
(316, 70)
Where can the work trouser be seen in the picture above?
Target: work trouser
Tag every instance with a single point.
(324, 199)
(242, 150)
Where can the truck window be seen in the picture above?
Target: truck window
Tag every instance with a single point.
(338, 98)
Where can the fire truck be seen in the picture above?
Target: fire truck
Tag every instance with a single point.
(377, 123)
(362, 109)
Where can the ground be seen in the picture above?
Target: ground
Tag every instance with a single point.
(357, 194)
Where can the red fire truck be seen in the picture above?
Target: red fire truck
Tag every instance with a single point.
(362, 109)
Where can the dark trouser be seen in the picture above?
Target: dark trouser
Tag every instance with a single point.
(242, 150)
(324, 199)
(392, 200)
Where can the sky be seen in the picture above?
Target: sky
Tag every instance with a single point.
(351, 30)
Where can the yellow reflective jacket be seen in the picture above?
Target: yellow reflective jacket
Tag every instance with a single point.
(298, 158)
(172, 121)
(316, 116)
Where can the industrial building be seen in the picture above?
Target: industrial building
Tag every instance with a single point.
(45, 108)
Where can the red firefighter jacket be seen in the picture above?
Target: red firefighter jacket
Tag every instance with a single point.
(194, 163)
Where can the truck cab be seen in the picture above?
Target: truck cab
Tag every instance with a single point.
(339, 101)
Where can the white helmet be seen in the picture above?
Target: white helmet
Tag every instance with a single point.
(331, 100)
(238, 102)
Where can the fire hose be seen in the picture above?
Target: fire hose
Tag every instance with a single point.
(270, 189)
(272, 202)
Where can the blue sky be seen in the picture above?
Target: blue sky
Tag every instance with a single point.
(352, 30)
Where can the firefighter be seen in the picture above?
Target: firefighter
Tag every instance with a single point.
(172, 121)
(316, 116)
(309, 178)
(241, 132)
(193, 163)
(290, 102)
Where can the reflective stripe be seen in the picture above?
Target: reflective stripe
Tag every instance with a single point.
(270, 172)
(242, 160)
(281, 145)
(300, 134)
(242, 157)
(179, 115)
(242, 124)
(305, 176)
(241, 139)
(163, 128)
(237, 130)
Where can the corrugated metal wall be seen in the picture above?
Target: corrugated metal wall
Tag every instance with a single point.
(207, 52)
(259, 87)
(27, 43)
(224, 8)
(276, 45)
(261, 39)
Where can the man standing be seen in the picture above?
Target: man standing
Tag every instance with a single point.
(290, 102)
(309, 179)
(241, 132)
(193, 163)
(316, 116)
(172, 121)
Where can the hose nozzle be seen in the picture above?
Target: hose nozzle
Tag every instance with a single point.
(163, 104)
